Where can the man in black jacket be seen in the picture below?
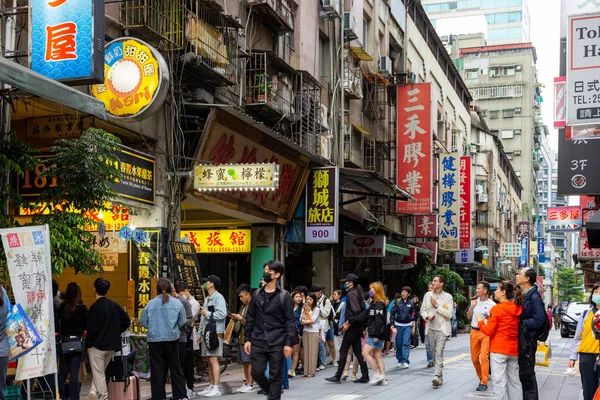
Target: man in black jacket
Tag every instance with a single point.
(103, 335)
(270, 330)
(353, 329)
(532, 321)
(402, 317)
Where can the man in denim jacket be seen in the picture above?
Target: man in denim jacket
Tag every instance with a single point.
(214, 306)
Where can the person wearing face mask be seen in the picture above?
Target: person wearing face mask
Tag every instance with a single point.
(214, 307)
(310, 338)
(585, 347)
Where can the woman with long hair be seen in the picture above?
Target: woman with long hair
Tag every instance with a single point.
(377, 320)
(164, 316)
(502, 326)
(585, 348)
(310, 336)
(72, 321)
(298, 307)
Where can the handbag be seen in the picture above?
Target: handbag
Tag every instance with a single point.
(229, 332)
(195, 339)
(211, 339)
(541, 355)
(71, 344)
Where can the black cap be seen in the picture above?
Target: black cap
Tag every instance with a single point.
(316, 288)
(350, 278)
(212, 278)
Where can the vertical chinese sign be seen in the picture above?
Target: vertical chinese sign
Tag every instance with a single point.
(588, 209)
(465, 202)
(414, 141)
(541, 242)
(523, 235)
(449, 201)
(322, 199)
(67, 40)
(27, 251)
(187, 267)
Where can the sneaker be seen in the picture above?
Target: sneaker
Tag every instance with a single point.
(376, 379)
(437, 381)
(333, 379)
(430, 364)
(363, 379)
(482, 388)
(405, 366)
(354, 378)
(400, 365)
(384, 382)
(321, 368)
(191, 394)
(335, 364)
(92, 395)
(215, 392)
(206, 390)
(246, 389)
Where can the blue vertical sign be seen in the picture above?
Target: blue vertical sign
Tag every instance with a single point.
(67, 40)
(541, 242)
(524, 234)
(449, 201)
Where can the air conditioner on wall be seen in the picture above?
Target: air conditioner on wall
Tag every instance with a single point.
(479, 189)
(482, 198)
(324, 118)
(350, 26)
(385, 66)
(331, 6)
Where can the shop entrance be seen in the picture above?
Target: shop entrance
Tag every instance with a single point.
(232, 269)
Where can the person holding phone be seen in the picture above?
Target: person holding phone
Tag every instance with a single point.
(480, 343)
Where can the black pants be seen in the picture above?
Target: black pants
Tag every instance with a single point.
(527, 371)
(185, 356)
(352, 339)
(69, 366)
(260, 355)
(165, 355)
(589, 374)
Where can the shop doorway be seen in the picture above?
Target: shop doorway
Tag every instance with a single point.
(232, 269)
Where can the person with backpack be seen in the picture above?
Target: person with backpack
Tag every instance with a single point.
(377, 323)
(534, 326)
(270, 330)
(585, 347)
(403, 318)
(324, 305)
(214, 312)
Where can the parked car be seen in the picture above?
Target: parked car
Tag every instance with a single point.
(570, 317)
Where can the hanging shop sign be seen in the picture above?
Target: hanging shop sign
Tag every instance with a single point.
(187, 267)
(574, 7)
(66, 40)
(583, 65)
(220, 240)
(431, 246)
(469, 277)
(236, 177)
(450, 201)
(588, 210)
(414, 139)
(465, 256)
(510, 250)
(560, 88)
(590, 278)
(524, 235)
(136, 80)
(138, 175)
(63, 127)
(426, 226)
(27, 252)
(322, 199)
(465, 202)
(587, 253)
(228, 140)
(564, 219)
(541, 242)
(364, 246)
(577, 161)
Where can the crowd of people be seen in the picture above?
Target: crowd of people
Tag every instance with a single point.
(281, 335)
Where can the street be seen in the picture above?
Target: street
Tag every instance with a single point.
(460, 380)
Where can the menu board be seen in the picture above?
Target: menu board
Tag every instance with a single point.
(187, 267)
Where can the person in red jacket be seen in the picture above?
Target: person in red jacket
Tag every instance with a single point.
(503, 328)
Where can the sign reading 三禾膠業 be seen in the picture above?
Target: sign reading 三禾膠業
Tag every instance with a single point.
(322, 198)
(136, 79)
(564, 219)
(236, 177)
(66, 40)
(449, 201)
(220, 240)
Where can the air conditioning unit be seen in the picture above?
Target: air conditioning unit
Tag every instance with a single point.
(324, 118)
(411, 77)
(478, 189)
(385, 66)
(519, 68)
(350, 26)
(518, 110)
(508, 215)
(518, 173)
(331, 7)
(517, 152)
(482, 198)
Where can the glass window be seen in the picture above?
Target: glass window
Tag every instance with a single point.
(494, 72)
(509, 71)
(494, 114)
(471, 73)
(507, 134)
(508, 113)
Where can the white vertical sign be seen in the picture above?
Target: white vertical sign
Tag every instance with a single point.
(27, 251)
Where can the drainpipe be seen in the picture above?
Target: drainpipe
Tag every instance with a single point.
(5, 115)
(341, 75)
(332, 83)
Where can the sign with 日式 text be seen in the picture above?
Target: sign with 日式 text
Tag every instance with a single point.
(322, 198)
(220, 240)
(67, 40)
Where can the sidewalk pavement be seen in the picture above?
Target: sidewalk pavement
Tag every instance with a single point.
(460, 379)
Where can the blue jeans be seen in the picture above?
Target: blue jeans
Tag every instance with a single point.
(285, 368)
(403, 343)
(429, 358)
(322, 355)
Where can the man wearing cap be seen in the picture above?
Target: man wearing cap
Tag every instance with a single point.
(324, 305)
(355, 317)
(214, 307)
(403, 318)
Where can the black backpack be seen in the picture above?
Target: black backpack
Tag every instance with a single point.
(545, 331)
(211, 339)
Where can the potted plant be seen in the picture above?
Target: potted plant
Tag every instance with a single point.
(262, 85)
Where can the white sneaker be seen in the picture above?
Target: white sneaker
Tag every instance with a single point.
(214, 392)
(384, 382)
(321, 368)
(335, 364)
(405, 366)
(191, 394)
(400, 365)
(206, 390)
(92, 395)
(246, 389)
(354, 378)
(376, 379)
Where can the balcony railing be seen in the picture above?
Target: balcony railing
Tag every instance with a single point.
(211, 45)
(155, 21)
(354, 147)
(352, 81)
(306, 128)
(277, 14)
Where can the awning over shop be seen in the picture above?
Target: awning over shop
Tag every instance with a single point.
(360, 53)
(392, 248)
(361, 129)
(365, 183)
(37, 84)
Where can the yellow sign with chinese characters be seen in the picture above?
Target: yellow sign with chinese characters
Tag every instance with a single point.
(220, 240)
(133, 76)
(237, 177)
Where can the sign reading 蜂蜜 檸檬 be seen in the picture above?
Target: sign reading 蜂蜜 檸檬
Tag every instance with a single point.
(236, 177)
(322, 197)
(67, 39)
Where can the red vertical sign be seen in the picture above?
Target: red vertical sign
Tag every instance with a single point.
(465, 202)
(414, 140)
(588, 206)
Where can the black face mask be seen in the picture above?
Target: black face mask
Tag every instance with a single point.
(267, 277)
